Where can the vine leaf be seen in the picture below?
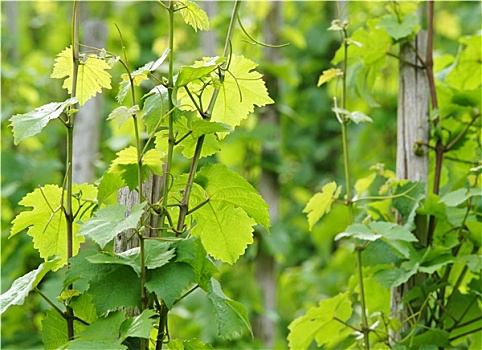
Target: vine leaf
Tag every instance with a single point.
(169, 281)
(110, 221)
(399, 30)
(31, 123)
(138, 76)
(84, 308)
(320, 203)
(241, 90)
(54, 331)
(233, 206)
(231, 316)
(23, 285)
(122, 113)
(194, 16)
(125, 165)
(137, 327)
(329, 75)
(156, 106)
(46, 221)
(319, 322)
(91, 76)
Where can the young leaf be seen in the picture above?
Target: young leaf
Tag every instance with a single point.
(91, 76)
(46, 221)
(194, 16)
(329, 75)
(109, 184)
(359, 117)
(363, 184)
(320, 203)
(231, 316)
(110, 221)
(319, 322)
(23, 285)
(169, 281)
(31, 123)
(122, 113)
(138, 76)
(199, 70)
(125, 165)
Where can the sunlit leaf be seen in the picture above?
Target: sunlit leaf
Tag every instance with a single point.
(91, 76)
(122, 113)
(319, 322)
(320, 203)
(400, 29)
(194, 16)
(46, 221)
(329, 75)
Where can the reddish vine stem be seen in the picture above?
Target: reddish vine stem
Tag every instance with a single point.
(69, 216)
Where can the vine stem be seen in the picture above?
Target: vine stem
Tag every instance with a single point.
(69, 216)
(349, 200)
(184, 207)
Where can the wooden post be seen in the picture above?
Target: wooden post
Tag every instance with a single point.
(412, 128)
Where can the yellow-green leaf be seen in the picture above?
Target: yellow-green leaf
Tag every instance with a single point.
(328, 75)
(91, 76)
(363, 184)
(46, 221)
(320, 203)
(194, 16)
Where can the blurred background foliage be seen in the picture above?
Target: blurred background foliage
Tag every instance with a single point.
(310, 266)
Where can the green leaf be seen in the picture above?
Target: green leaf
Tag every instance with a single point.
(226, 186)
(156, 107)
(84, 308)
(91, 76)
(109, 184)
(22, 286)
(138, 76)
(398, 30)
(457, 197)
(191, 344)
(394, 277)
(201, 127)
(122, 113)
(320, 203)
(54, 330)
(125, 165)
(201, 69)
(225, 223)
(329, 75)
(468, 69)
(241, 90)
(169, 281)
(231, 316)
(104, 329)
(110, 221)
(319, 322)
(139, 326)
(359, 231)
(194, 16)
(31, 123)
(192, 252)
(116, 286)
(94, 345)
(46, 221)
(408, 204)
